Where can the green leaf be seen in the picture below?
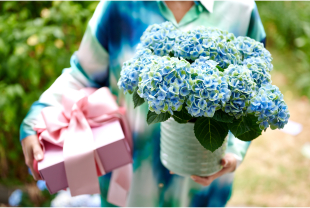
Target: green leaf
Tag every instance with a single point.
(177, 119)
(137, 100)
(220, 68)
(210, 133)
(238, 126)
(183, 114)
(249, 135)
(153, 117)
(221, 116)
(254, 132)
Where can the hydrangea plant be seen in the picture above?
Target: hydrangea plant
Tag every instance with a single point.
(206, 76)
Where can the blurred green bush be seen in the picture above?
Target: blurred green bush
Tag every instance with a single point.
(37, 40)
(287, 24)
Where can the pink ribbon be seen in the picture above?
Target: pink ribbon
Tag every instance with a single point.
(70, 128)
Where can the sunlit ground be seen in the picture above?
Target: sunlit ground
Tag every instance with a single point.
(275, 172)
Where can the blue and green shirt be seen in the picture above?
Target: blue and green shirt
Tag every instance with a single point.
(110, 39)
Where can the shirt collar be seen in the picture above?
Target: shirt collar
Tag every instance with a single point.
(191, 15)
(208, 4)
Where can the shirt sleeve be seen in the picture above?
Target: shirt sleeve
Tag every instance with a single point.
(256, 28)
(89, 67)
(237, 147)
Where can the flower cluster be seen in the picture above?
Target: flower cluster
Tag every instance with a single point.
(207, 42)
(242, 87)
(160, 38)
(166, 40)
(204, 70)
(259, 69)
(268, 105)
(165, 84)
(208, 89)
(132, 68)
(248, 47)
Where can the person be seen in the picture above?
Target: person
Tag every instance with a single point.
(110, 39)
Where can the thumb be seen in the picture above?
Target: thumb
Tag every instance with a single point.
(37, 152)
(226, 161)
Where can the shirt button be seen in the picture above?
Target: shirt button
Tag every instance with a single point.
(160, 185)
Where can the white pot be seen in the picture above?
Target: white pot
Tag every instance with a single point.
(181, 152)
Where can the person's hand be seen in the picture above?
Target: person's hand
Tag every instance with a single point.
(32, 150)
(229, 163)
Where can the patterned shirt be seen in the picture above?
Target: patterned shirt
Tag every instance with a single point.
(110, 39)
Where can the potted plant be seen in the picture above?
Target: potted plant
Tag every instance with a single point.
(201, 84)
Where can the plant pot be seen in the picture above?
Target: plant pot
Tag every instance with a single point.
(181, 152)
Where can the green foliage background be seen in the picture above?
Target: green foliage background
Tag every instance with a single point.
(37, 40)
(287, 25)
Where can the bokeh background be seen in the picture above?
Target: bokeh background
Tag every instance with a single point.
(37, 40)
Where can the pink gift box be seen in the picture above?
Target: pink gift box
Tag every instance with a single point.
(111, 147)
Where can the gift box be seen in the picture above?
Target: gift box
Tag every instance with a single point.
(85, 137)
(111, 148)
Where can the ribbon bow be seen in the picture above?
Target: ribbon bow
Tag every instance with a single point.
(70, 127)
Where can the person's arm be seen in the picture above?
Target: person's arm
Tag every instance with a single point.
(89, 68)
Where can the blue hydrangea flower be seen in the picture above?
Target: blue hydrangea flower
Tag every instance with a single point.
(208, 42)
(160, 38)
(242, 87)
(165, 78)
(131, 69)
(249, 47)
(208, 89)
(164, 85)
(259, 70)
(268, 105)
